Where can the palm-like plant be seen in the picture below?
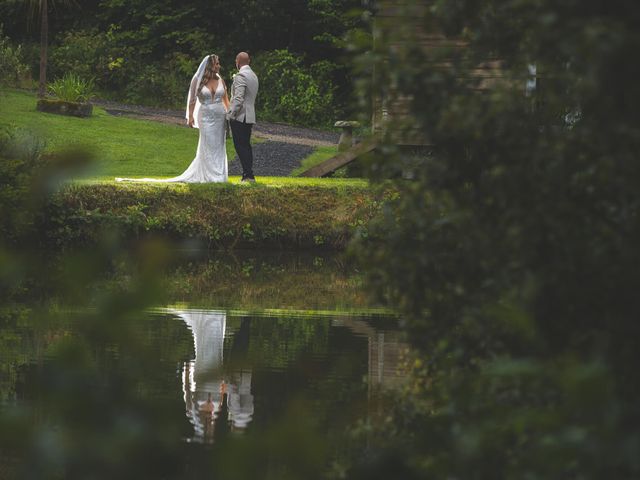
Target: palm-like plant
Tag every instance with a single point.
(40, 8)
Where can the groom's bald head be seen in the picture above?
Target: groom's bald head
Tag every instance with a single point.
(242, 59)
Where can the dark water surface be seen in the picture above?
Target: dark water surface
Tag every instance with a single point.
(243, 371)
(191, 389)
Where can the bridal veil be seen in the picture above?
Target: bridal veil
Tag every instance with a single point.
(193, 90)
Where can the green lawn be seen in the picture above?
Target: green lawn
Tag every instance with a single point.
(124, 147)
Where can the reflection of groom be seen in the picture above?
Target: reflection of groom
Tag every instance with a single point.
(242, 113)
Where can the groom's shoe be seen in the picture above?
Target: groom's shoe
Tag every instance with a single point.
(248, 179)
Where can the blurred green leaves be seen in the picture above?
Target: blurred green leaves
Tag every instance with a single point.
(62, 416)
(511, 248)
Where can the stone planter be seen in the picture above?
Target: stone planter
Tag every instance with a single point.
(61, 107)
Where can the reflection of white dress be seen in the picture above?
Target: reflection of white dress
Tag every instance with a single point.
(203, 376)
(210, 164)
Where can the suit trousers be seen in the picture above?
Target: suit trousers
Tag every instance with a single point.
(241, 132)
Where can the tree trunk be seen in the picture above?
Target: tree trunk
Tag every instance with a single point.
(44, 34)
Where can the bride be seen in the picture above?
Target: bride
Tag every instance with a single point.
(207, 105)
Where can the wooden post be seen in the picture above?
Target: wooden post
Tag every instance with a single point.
(340, 160)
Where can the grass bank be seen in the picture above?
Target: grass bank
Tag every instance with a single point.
(276, 213)
(285, 214)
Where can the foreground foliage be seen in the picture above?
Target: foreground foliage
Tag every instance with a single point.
(513, 251)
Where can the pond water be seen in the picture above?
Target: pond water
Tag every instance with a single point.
(267, 383)
(244, 370)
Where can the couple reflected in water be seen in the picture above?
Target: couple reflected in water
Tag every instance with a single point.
(216, 402)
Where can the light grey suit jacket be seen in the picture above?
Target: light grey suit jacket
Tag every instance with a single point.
(243, 96)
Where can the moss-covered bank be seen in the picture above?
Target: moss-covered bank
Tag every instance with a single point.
(229, 216)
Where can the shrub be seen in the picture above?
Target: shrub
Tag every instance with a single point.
(83, 53)
(72, 88)
(120, 70)
(295, 93)
(12, 67)
(159, 85)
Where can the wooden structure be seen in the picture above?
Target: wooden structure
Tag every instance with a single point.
(399, 26)
(386, 355)
(396, 23)
(329, 166)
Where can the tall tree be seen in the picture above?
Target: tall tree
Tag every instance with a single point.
(40, 9)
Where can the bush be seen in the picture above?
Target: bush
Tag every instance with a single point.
(158, 85)
(83, 53)
(293, 92)
(122, 71)
(12, 67)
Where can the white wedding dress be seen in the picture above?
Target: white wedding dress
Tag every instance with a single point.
(210, 164)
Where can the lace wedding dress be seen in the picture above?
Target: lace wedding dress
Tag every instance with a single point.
(210, 164)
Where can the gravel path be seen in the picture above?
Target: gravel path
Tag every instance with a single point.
(273, 159)
(285, 146)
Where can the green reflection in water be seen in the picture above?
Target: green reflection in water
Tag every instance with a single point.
(278, 283)
(270, 281)
(104, 392)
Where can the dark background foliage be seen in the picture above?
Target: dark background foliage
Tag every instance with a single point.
(146, 51)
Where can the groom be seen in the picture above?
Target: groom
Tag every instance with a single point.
(242, 113)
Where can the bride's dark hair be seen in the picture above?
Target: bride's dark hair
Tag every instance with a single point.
(208, 71)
